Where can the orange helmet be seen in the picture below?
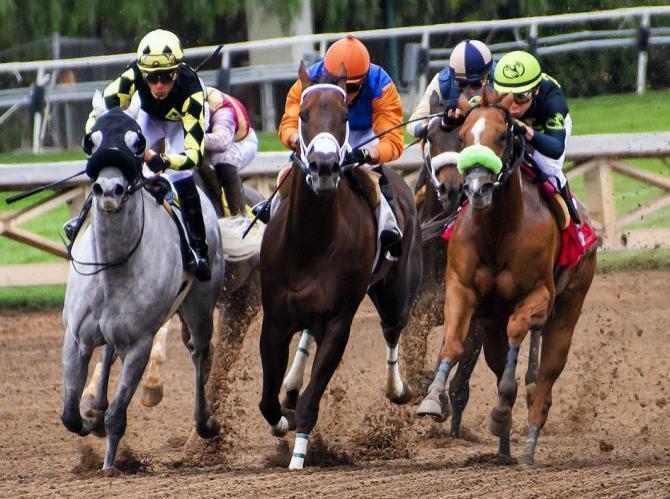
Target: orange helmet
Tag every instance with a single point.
(353, 54)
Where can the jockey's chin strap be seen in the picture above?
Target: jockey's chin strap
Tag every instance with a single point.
(132, 188)
(324, 142)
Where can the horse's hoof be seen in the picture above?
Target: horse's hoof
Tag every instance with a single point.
(526, 462)
(95, 421)
(501, 421)
(281, 428)
(289, 414)
(436, 408)
(152, 393)
(210, 429)
(296, 464)
(405, 396)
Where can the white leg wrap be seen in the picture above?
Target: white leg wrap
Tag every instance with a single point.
(394, 385)
(299, 451)
(294, 378)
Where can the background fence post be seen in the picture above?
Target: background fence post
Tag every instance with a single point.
(642, 57)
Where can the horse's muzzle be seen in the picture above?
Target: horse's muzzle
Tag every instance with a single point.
(479, 187)
(324, 173)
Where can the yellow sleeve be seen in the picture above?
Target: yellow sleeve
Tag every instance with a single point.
(387, 113)
(193, 121)
(289, 122)
(117, 94)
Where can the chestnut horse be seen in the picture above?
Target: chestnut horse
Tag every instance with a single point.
(500, 266)
(317, 262)
(436, 205)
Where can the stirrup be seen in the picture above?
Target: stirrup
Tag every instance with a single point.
(70, 229)
(198, 265)
(390, 241)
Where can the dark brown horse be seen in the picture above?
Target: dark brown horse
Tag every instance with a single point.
(500, 266)
(316, 265)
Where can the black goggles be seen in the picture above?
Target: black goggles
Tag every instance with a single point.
(163, 78)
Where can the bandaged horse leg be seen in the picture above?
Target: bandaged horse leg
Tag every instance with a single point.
(152, 384)
(328, 356)
(396, 389)
(530, 313)
(458, 309)
(94, 401)
(533, 363)
(294, 379)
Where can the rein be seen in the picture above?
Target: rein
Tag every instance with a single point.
(130, 190)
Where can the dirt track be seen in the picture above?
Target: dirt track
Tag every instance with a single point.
(608, 432)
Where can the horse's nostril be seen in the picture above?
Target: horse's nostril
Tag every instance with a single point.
(97, 190)
(313, 167)
(118, 190)
(335, 168)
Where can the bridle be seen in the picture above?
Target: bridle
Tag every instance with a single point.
(323, 141)
(435, 163)
(514, 148)
(131, 189)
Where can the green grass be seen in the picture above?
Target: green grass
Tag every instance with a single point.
(606, 114)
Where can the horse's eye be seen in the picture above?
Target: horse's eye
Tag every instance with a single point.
(303, 116)
(502, 137)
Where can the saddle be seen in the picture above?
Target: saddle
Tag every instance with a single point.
(165, 195)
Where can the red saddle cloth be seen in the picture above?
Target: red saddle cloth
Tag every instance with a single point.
(572, 245)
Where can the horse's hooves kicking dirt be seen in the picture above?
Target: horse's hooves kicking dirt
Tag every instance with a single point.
(210, 429)
(152, 393)
(440, 411)
(404, 397)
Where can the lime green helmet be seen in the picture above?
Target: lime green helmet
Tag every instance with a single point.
(516, 72)
(159, 51)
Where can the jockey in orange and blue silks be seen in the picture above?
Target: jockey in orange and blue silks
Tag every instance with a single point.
(374, 107)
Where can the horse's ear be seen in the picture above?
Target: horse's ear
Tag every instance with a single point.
(486, 98)
(434, 102)
(342, 77)
(304, 76)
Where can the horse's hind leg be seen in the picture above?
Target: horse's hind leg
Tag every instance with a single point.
(459, 387)
(197, 335)
(152, 384)
(134, 361)
(294, 379)
(75, 359)
(274, 345)
(328, 356)
(533, 364)
(495, 353)
(94, 400)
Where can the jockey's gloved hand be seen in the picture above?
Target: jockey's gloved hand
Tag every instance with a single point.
(158, 163)
(357, 157)
(519, 127)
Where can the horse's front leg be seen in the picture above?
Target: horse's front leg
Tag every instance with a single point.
(274, 344)
(531, 312)
(328, 356)
(459, 305)
(75, 359)
(134, 360)
(94, 401)
(294, 379)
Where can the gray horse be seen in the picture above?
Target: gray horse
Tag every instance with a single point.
(126, 279)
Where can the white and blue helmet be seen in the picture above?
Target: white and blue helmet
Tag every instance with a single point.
(470, 61)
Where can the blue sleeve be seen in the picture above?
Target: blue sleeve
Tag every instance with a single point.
(550, 143)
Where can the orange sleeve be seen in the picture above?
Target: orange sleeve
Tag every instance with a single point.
(387, 113)
(289, 122)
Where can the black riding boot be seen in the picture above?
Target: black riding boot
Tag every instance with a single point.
(567, 197)
(231, 183)
(72, 227)
(197, 260)
(389, 239)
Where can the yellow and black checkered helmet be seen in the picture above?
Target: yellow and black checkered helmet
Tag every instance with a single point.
(159, 51)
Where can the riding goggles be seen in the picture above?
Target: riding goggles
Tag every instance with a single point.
(523, 98)
(163, 78)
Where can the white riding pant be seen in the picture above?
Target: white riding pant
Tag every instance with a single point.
(553, 168)
(239, 154)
